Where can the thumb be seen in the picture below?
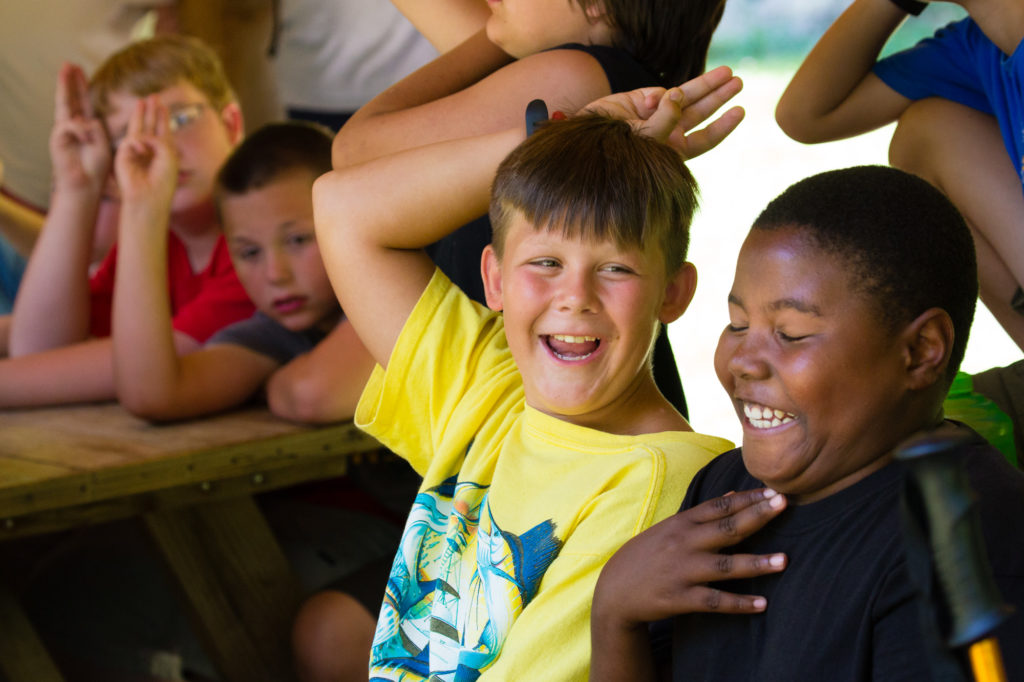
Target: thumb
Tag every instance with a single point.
(666, 117)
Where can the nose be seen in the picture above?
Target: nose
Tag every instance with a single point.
(577, 292)
(745, 358)
(277, 266)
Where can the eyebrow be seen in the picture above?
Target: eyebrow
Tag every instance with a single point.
(796, 304)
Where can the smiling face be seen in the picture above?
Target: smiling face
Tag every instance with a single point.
(203, 137)
(580, 318)
(274, 250)
(525, 27)
(819, 383)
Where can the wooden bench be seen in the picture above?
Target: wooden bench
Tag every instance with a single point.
(192, 485)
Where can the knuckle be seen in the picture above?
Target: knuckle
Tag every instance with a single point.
(713, 600)
(722, 504)
(728, 526)
(723, 564)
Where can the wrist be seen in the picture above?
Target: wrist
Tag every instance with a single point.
(913, 7)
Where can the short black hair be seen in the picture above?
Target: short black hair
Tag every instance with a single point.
(595, 177)
(272, 150)
(905, 245)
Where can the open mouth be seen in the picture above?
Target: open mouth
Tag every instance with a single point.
(572, 348)
(764, 417)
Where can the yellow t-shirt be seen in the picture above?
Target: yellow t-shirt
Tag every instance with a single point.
(518, 510)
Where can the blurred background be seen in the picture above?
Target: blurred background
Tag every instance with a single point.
(764, 41)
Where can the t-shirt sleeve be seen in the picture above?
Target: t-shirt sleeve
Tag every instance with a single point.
(942, 65)
(449, 371)
(221, 301)
(263, 335)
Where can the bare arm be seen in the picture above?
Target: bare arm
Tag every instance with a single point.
(150, 379)
(663, 572)
(445, 24)
(52, 307)
(834, 94)
(373, 219)
(324, 384)
(78, 373)
(471, 90)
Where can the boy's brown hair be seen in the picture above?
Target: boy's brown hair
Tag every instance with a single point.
(596, 178)
(149, 66)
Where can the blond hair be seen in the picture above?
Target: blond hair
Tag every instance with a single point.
(149, 66)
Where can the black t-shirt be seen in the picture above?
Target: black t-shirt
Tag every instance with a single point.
(844, 608)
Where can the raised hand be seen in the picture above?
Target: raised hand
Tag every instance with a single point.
(670, 115)
(79, 147)
(664, 571)
(146, 164)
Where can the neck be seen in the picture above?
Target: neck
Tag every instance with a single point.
(641, 409)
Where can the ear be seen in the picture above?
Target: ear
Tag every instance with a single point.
(231, 115)
(678, 293)
(928, 342)
(490, 270)
(596, 12)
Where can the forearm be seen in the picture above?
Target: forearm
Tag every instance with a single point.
(79, 373)
(822, 101)
(391, 122)
(146, 365)
(323, 385)
(373, 220)
(445, 24)
(413, 198)
(52, 307)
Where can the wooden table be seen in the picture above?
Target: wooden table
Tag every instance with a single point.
(192, 485)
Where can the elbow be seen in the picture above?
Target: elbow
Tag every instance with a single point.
(789, 121)
(147, 409)
(798, 124)
(307, 401)
(795, 121)
(144, 403)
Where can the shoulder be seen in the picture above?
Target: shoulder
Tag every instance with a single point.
(620, 68)
(567, 79)
(722, 474)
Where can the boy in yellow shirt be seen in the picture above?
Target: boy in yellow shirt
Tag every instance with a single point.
(542, 439)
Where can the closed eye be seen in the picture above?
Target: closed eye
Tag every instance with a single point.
(619, 269)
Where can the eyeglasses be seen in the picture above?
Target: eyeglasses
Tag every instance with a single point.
(183, 115)
(180, 117)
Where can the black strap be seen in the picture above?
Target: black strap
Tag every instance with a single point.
(536, 113)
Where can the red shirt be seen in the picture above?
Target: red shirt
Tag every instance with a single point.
(201, 303)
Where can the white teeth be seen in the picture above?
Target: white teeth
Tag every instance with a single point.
(565, 338)
(762, 417)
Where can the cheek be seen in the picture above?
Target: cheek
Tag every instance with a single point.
(724, 351)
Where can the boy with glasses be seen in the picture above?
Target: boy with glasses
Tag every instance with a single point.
(172, 265)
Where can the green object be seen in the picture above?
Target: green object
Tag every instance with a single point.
(981, 414)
